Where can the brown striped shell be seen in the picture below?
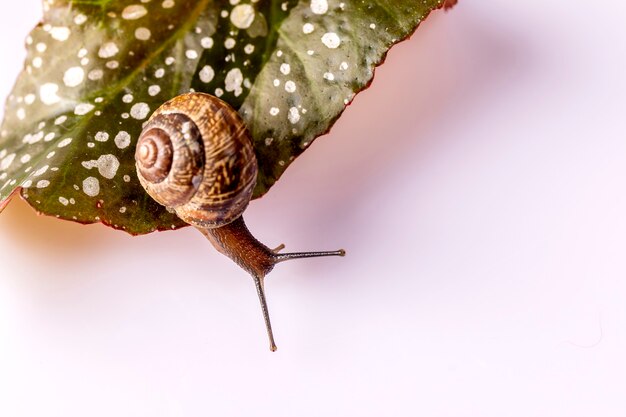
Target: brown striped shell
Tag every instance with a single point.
(195, 157)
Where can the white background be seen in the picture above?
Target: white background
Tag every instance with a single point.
(479, 188)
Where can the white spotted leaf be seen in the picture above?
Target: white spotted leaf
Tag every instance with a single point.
(96, 69)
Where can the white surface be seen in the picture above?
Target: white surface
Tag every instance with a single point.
(479, 188)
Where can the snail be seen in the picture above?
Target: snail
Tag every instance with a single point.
(195, 157)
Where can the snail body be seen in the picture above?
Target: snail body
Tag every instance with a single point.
(195, 157)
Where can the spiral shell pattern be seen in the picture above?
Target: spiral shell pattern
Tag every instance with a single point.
(195, 157)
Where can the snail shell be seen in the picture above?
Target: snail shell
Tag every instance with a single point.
(195, 156)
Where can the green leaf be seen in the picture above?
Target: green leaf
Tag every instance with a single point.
(96, 69)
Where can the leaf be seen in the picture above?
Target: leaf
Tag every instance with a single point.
(96, 69)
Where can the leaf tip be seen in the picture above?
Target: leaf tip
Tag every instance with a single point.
(448, 4)
(4, 203)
